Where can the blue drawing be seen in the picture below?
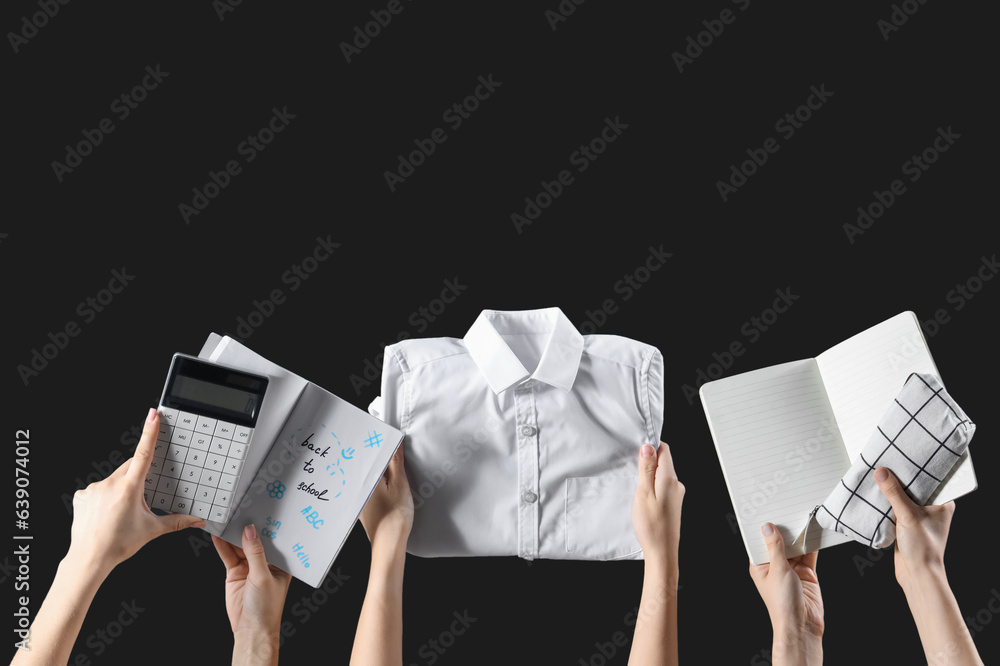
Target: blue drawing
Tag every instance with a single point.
(276, 489)
(374, 440)
(348, 453)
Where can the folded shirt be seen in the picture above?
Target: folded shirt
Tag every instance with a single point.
(920, 438)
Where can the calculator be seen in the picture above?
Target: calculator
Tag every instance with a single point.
(208, 412)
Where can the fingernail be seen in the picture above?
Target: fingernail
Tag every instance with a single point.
(767, 529)
(200, 523)
(250, 532)
(646, 451)
(881, 474)
(151, 415)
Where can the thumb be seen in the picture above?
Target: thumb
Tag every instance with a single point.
(176, 522)
(253, 549)
(647, 468)
(775, 546)
(887, 482)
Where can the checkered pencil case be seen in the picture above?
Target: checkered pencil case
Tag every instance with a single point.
(920, 438)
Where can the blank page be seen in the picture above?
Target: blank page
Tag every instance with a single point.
(864, 374)
(780, 449)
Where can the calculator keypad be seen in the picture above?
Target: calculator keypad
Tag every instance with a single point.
(196, 465)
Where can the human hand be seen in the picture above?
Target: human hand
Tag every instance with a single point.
(111, 521)
(921, 531)
(388, 515)
(656, 511)
(255, 590)
(790, 590)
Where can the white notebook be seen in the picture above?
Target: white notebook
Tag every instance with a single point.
(314, 461)
(786, 434)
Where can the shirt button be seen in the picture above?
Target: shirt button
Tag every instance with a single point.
(528, 430)
(529, 497)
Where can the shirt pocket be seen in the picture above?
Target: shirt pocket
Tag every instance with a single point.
(599, 517)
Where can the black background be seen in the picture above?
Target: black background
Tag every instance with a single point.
(654, 186)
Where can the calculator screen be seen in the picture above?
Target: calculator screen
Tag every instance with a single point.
(216, 395)
(214, 390)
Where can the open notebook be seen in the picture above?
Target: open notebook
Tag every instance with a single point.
(314, 461)
(786, 434)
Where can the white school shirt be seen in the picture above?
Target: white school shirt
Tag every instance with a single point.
(523, 437)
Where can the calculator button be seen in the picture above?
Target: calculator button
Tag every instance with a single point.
(196, 457)
(165, 431)
(187, 421)
(181, 505)
(171, 469)
(185, 489)
(181, 436)
(160, 450)
(215, 462)
(242, 434)
(200, 441)
(233, 466)
(221, 446)
(224, 429)
(205, 494)
(219, 514)
(206, 425)
(147, 495)
(228, 482)
(210, 477)
(166, 485)
(168, 414)
(151, 481)
(178, 453)
(191, 473)
(223, 497)
(201, 509)
(156, 464)
(238, 450)
(162, 501)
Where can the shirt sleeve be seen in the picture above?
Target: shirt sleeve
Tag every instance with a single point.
(651, 388)
(393, 404)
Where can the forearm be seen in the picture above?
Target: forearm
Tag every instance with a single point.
(256, 646)
(655, 639)
(943, 633)
(57, 624)
(379, 637)
(794, 646)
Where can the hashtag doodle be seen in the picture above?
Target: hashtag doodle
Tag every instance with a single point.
(374, 440)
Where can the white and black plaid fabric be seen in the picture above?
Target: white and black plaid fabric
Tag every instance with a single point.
(919, 438)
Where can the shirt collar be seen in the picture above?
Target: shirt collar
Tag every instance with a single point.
(500, 366)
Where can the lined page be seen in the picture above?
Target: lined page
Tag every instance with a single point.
(780, 449)
(865, 373)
